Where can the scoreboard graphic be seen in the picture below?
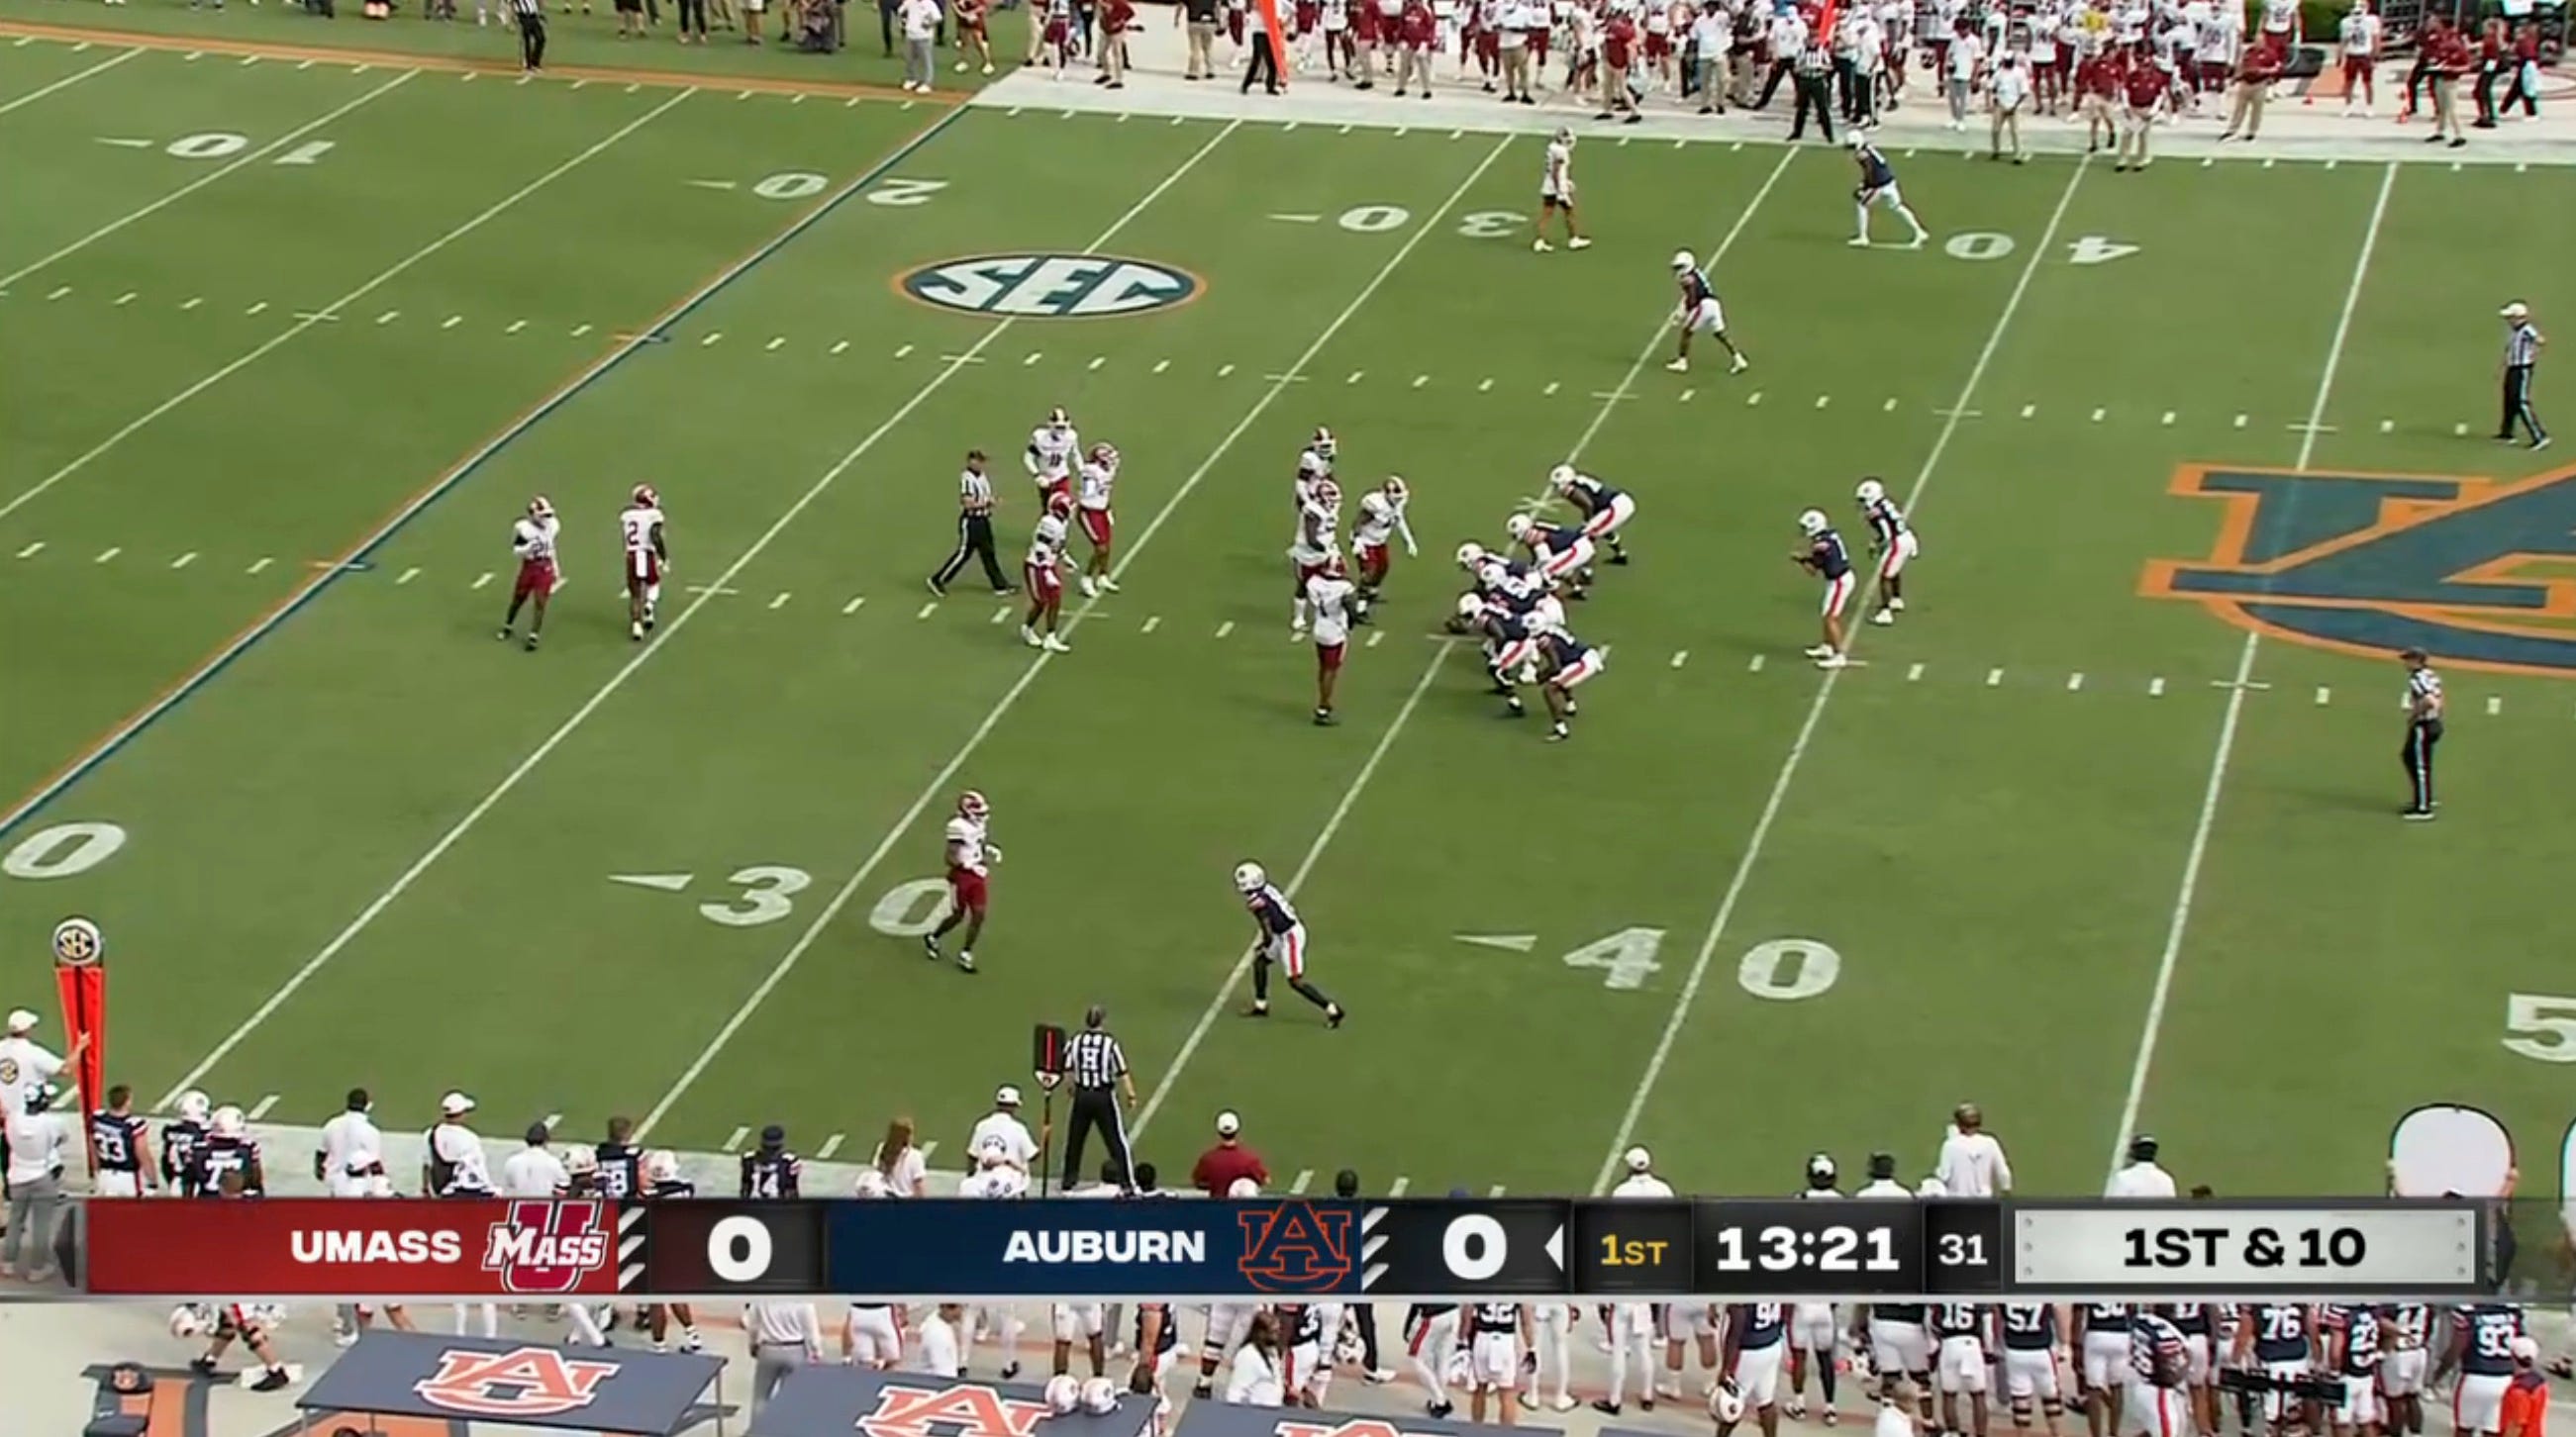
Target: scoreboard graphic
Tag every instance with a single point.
(1428, 1250)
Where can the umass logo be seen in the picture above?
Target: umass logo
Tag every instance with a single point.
(2479, 572)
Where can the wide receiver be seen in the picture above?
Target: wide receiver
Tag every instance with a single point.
(1337, 605)
(532, 538)
(1091, 511)
(1052, 446)
(971, 854)
(1381, 519)
(1279, 937)
(1825, 557)
(648, 557)
(1042, 574)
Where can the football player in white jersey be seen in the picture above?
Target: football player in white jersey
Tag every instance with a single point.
(1315, 462)
(1337, 605)
(1052, 446)
(1381, 518)
(1814, 1330)
(1556, 193)
(992, 1178)
(1043, 575)
(1091, 510)
(648, 558)
(532, 539)
(1318, 543)
(2359, 43)
(872, 1336)
(970, 854)
(1632, 1324)
(1551, 1352)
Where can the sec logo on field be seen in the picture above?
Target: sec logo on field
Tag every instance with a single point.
(1050, 286)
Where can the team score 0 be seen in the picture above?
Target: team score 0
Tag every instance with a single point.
(2303, 1248)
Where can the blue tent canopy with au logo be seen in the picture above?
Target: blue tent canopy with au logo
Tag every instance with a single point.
(521, 1384)
(854, 1402)
(1217, 1419)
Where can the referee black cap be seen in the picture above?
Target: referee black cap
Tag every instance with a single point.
(1095, 1015)
(2416, 656)
(2142, 1148)
(1346, 1183)
(1882, 1166)
(773, 1137)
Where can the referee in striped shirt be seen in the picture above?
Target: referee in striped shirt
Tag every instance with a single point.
(975, 503)
(1097, 1067)
(2522, 344)
(2423, 734)
(531, 15)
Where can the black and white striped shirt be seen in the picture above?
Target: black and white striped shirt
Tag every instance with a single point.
(1094, 1060)
(2522, 345)
(2424, 695)
(975, 492)
(528, 9)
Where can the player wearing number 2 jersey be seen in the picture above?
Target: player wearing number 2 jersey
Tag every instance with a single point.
(648, 557)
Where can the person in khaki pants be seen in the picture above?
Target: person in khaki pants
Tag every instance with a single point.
(1417, 29)
(1199, 16)
(2254, 76)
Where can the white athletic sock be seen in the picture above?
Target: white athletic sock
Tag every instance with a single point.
(1860, 220)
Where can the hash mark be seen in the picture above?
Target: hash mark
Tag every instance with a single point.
(110, 552)
(1914, 674)
(1752, 399)
(1680, 657)
(307, 65)
(2155, 688)
(1823, 399)
(1994, 678)
(1485, 386)
(2098, 413)
(1889, 407)
(1755, 666)
(184, 560)
(1153, 623)
(774, 606)
(2458, 429)
(1034, 356)
(1420, 380)
(256, 308)
(262, 564)
(1225, 628)
(2074, 683)
(2388, 426)
(2323, 694)
(479, 582)
(1396, 1188)
(852, 606)
(1497, 1189)
(1161, 364)
(1306, 1176)
(1097, 360)
(32, 550)
(1355, 376)
(389, 316)
(452, 321)
(59, 291)
(2240, 421)
(1375, 636)
(963, 359)
(1223, 370)
(2028, 410)
(262, 1108)
(1000, 614)
(711, 338)
(776, 342)
(126, 298)
(844, 344)
(2168, 418)
(1552, 387)
(408, 575)
(902, 350)
(515, 326)
(193, 301)
(2495, 704)
(833, 1143)
(927, 609)
(1686, 395)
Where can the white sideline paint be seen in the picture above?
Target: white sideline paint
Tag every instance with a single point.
(1413, 700)
(1772, 805)
(74, 78)
(941, 782)
(511, 780)
(2198, 853)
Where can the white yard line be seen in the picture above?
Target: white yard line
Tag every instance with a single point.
(1771, 806)
(331, 311)
(940, 785)
(2194, 856)
(199, 183)
(74, 78)
(510, 781)
(1332, 828)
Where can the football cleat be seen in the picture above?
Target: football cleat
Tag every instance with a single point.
(972, 804)
(1250, 877)
(1812, 522)
(1870, 491)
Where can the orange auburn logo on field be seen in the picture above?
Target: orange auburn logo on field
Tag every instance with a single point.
(2480, 573)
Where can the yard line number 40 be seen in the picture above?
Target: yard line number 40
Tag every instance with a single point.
(1782, 970)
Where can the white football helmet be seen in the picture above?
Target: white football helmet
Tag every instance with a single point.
(1098, 1396)
(972, 804)
(1328, 495)
(1813, 522)
(1682, 261)
(194, 1106)
(1397, 490)
(226, 1122)
(1471, 556)
(1933, 1188)
(1058, 420)
(1243, 1188)
(1323, 443)
(871, 1183)
(1518, 526)
(1063, 1393)
(580, 1161)
(190, 1320)
(1638, 1160)
(1821, 1171)
(661, 1165)
(1493, 575)
(1250, 877)
(1726, 1402)
(1564, 136)
(1561, 478)
(541, 508)
(1470, 607)
(1870, 491)
(1548, 615)
(1461, 1367)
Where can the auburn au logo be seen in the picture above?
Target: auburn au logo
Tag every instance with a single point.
(1295, 1247)
(957, 1410)
(530, 1382)
(2473, 571)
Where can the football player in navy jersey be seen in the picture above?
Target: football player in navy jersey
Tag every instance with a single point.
(1565, 663)
(1605, 510)
(1562, 553)
(2484, 1360)
(183, 1146)
(1700, 313)
(1825, 557)
(121, 1145)
(1878, 187)
(1280, 938)
(1892, 540)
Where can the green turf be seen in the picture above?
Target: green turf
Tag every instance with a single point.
(378, 812)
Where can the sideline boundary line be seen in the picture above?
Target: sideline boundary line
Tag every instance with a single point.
(451, 64)
(125, 730)
(1413, 699)
(941, 781)
(510, 781)
(1778, 798)
(2171, 959)
(67, 81)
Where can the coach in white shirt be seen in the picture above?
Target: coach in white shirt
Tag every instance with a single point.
(936, 1343)
(1000, 1133)
(1254, 1380)
(25, 1066)
(534, 1171)
(1972, 1163)
(40, 1145)
(784, 1336)
(352, 1151)
(2141, 1178)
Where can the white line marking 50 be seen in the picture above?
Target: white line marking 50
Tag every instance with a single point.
(2543, 1027)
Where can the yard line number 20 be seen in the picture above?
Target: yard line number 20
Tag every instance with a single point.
(1782, 970)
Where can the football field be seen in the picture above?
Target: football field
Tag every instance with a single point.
(2101, 834)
